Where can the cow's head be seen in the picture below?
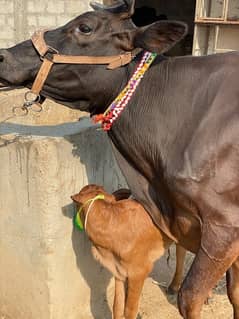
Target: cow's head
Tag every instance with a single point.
(103, 32)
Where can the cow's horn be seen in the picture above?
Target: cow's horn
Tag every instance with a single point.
(125, 6)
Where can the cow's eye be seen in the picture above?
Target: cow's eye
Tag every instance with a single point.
(84, 28)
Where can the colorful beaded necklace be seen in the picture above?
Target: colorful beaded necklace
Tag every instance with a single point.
(117, 106)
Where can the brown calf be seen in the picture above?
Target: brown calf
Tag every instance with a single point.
(125, 241)
(176, 282)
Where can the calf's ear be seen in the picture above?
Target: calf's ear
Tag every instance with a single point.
(158, 37)
(74, 198)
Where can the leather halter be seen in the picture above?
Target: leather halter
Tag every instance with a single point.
(49, 56)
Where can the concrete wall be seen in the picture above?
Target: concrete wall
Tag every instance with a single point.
(46, 268)
(20, 18)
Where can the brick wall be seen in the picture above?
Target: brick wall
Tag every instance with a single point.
(20, 18)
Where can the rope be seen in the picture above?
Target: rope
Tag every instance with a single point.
(77, 219)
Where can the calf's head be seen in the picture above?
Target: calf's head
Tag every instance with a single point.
(103, 32)
(90, 192)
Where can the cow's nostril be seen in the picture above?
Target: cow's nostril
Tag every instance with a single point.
(1, 58)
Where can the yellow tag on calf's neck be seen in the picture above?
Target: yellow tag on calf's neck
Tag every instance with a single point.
(77, 220)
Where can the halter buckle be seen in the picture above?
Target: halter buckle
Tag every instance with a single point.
(49, 54)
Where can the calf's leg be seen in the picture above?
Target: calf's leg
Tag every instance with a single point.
(134, 288)
(119, 299)
(233, 287)
(178, 275)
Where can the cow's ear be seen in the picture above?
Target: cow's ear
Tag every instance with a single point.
(158, 37)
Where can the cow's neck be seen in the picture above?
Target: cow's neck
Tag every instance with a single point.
(145, 150)
(118, 105)
(142, 171)
(133, 128)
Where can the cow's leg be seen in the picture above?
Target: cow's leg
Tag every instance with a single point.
(202, 277)
(233, 287)
(178, 275)
(119, 299)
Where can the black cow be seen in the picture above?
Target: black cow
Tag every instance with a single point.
(177, 141)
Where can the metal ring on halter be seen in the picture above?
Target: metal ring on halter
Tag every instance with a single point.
(23, 109)
(31, 98)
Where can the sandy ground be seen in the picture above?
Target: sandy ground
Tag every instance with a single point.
(156, 304)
